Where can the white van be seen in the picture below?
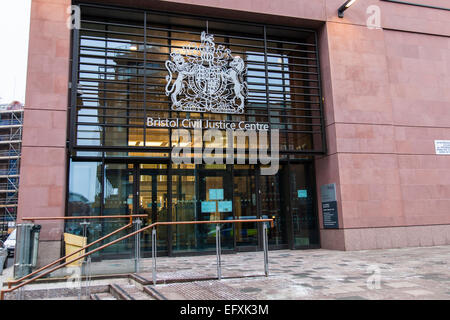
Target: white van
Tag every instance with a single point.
(10, 243)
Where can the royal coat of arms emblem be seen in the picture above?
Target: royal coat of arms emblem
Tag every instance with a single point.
(206, 78)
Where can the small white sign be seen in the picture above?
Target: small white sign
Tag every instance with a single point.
(442, 146)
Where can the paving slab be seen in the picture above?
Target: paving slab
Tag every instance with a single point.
(406, 273)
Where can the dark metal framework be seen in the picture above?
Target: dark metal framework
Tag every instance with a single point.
(118, 80)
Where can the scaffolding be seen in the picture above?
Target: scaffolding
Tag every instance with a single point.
(11, 125)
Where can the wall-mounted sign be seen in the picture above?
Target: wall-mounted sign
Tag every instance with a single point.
(302, 193)
(329, 206)
(328, 192)
(185, 123)
(215, 194)
(208, 206)
(225, 206)
(330, 215)
(206, 78)
(442, 147)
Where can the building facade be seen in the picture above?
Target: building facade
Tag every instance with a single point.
(359, 103)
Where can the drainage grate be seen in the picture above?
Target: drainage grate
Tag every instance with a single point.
(200, 290)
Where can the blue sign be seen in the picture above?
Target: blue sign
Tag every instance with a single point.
(302, 193)
(208, 206)
(225, 206)
(215, 194)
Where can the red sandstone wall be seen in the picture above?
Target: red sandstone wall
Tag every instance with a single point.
(386, 100)
(389, 101)
(43, 164)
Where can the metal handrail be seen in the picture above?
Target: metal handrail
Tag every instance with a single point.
(2, 293)
(86, 217)
(10, 283)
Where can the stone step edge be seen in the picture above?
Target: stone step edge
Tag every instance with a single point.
(145, 282)
(154, 293)
(119, 293)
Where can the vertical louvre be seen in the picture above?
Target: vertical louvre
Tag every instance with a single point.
(122, 79)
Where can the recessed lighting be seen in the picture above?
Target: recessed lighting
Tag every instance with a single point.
(153, 144)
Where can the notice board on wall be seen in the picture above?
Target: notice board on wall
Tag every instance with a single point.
(329, 206)
(442, 147)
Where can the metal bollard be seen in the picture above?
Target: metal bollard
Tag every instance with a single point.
(88, 277)
(265, 246)
(85, 265)
(218, 252)
(84, 225)
(154, 254)
(137, 246)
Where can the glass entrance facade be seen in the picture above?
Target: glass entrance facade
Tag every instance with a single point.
(119, 164)
(199, 193)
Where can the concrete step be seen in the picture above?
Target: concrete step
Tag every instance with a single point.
(102, 296)
(129, 292)
(146, 278)
(197, 290)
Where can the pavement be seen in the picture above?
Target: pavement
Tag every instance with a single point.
(406, 273)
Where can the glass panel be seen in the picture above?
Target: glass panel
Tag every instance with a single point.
(84, 189)
(209, 209)
(118, 200)
(116, 258)
(184, 208)
(201, 195)
(245, 207)
(153, 201)
(272, 207)
(303, 214)
(215, 195)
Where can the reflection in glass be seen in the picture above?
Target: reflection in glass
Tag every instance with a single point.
(272, 207)
(122, 77)
(184, 209)
(303, 214)
(244, 201)
(84, 193)
(201, 195)
(153, 202)
(118, 200)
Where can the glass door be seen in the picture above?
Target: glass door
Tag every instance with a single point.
(304, 217)
(184, 208)
(245, 206)
(152, 200)
(118, 199)
(274, 204)
(201, 193)
(215, 203)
